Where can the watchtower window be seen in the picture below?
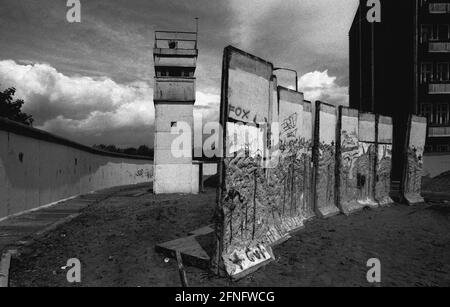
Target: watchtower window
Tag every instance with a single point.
(173, 44)
(174, 72)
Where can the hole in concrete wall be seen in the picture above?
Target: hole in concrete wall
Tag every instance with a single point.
(173, 124)
(76, 161)
(21, 157)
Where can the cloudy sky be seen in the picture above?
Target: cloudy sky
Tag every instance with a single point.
(92, 81)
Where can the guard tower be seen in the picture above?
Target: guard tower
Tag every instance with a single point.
(175, 57)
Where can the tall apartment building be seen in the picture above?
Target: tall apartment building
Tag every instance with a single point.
(401, 66)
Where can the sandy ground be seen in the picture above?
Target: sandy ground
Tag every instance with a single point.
(115, 242)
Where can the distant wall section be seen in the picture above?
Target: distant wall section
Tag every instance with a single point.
(38, 168)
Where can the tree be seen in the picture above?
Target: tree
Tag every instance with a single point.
(12, 109)
(142, 150)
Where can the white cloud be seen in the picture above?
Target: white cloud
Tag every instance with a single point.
(320, 86)
(82, 108)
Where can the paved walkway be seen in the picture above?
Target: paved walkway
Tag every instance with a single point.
(23, 229)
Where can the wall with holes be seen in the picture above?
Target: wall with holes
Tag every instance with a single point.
(37, 168)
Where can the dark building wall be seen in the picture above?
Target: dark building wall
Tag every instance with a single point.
(382, 78)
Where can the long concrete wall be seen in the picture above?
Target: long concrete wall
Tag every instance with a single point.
(37, 169)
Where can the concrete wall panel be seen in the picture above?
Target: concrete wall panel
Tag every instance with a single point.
(324, 159)
(273, 145)
(384, 160)
(307, 136)
(292, 172)
(347, 160)
(412, 182)
(245, 193)
(4, 183)
(367, 160)
(22, 173)
(246, 97)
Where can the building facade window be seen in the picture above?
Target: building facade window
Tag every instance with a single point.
(442, 72)
(442, 148)
(425, 31)
(434, 34)
(442, 114)
(426, 72)
(426, 110)
(442, 32)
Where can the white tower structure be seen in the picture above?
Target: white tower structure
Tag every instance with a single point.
(175, 57)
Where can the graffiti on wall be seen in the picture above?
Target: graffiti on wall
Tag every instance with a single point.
(347, 159)
(260, 203)
(325, 180)
(383, 174)
(366, 173)
(348, 184)
(368, 155)
(247, 213)
(384, 160)
(307, 204)
(324, 160)
(414, 162)
(290, 170)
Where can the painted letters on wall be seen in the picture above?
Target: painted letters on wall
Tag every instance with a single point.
(290, 171)
(243, 216)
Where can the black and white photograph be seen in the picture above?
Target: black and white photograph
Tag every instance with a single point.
(225, 149)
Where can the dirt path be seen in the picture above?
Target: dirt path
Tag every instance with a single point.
(115, 242)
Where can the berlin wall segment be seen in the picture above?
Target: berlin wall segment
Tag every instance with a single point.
(259, 204)
(415, 144)
(347, 160)
(324, 160)
(384, 134)
(366, 160)
(279, 168)
(241, 232)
